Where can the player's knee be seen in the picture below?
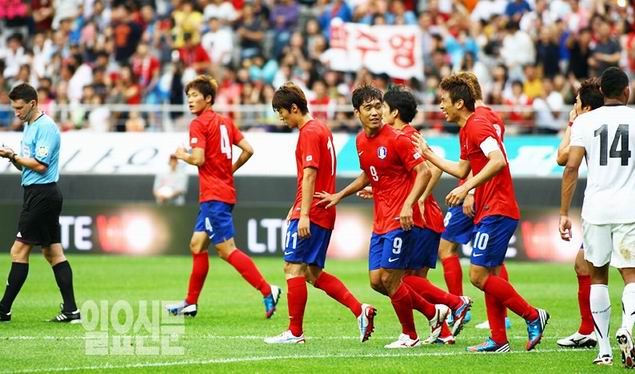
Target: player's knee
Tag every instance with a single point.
(377, 285)
(477, 279)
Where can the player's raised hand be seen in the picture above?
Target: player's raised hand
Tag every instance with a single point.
(455, 196)
(366, 193)
(6, 152)
(419, 142)
(405, 217)
(327, 198)
(565, 228)
(304, 227)
(468, 205)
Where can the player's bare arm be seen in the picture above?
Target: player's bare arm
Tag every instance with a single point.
(495, 164)
(20, 162)
(421, 181)
(245, 155)
(563, 147)
(308, 188)
(196, 158)
(569, 181)
(468, 202)
(333, 199)
(458, 169)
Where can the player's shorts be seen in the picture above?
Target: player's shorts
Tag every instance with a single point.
(610, 243)
(426, 249)
(391, 250)
(458, 226)
(39, 222)
(215, 218)
(490, 240)
(311, 250)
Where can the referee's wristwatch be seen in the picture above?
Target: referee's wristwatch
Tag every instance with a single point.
(13, 156)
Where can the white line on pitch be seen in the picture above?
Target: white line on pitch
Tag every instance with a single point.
(273, 358)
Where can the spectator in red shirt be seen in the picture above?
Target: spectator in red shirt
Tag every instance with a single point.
(194, 55)
(147, 68)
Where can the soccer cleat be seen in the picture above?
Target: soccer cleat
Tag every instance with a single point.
(440, 340)
(485, 324)
(365, 322)
(489, 346)
(404, 341)
(67, 317)
(286, 337)
(603, 360)
(272, 300)
(436, 323)
(182, 308)
(536, 328)
(5, 317)
(577, 340)
(459, 315)
(625, 342)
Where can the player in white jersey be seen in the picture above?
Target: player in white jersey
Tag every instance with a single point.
(606, 138)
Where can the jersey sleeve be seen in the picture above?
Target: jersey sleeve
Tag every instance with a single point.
(310, 149)
(479, 132)
(197, 134)
(577, 136)
(408, 154)
(47, 141)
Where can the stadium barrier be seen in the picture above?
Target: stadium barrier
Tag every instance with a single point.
(108, 214)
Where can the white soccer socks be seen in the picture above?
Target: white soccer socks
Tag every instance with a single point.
(601, 311)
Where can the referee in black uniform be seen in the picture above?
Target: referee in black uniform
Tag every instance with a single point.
(39, 220)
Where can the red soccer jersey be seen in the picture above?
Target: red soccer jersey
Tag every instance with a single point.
(215, 134)
(493, 117)
(432, 214)
(315, 150)
(387, 159)
(496, 196)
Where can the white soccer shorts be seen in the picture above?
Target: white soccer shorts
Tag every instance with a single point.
(614, 243)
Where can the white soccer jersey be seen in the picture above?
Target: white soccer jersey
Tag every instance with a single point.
(608, 137)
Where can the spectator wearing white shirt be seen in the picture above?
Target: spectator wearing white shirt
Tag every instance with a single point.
(548, 110)
(218, 42)
(518, 49)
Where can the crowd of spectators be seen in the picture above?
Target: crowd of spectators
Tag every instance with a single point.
(529, 56)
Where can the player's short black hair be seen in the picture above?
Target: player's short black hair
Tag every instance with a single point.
(613, 82)
(24, 92)
(459, 89)
(590, 93)
(403, 100)
(204, 84)
(287, 95)
(365, 93)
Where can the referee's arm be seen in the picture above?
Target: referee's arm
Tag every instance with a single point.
(24, 162)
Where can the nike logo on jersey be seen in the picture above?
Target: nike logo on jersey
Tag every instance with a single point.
(477, 254)
(360, 153)
(393, 259)
(288, 253)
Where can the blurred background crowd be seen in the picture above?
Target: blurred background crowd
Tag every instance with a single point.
(121, 65)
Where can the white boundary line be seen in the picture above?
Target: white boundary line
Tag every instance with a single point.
(271, 358)
(244, 337)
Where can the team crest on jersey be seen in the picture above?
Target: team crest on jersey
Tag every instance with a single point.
(382, 152)
(42, 151)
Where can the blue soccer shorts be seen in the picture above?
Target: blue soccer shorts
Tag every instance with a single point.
(458, 226)
(215, 218)
(391, 250)
(311, 250)
(491, 239)
(426, 249)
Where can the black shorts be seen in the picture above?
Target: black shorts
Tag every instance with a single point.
(39, 222)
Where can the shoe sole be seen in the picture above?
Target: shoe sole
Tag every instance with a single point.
(371, 324)
(586, 344)
(460, 321)
(628, 353)
(544, 320)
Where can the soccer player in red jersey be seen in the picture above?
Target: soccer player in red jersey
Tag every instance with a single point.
(589, 98)
(399, 109)
(311, 223)
(211, 138)
(398, 176)
(496, 211)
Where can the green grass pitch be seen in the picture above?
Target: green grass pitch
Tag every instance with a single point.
(227, 334)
